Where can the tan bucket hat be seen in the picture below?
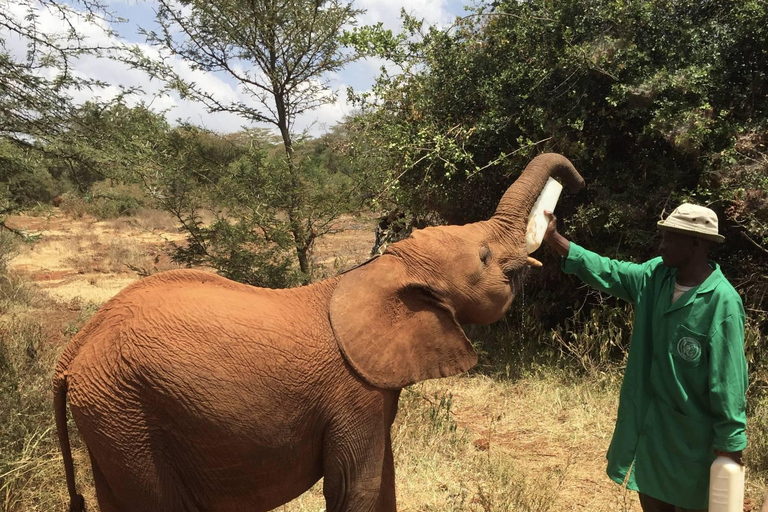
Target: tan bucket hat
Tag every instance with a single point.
(694, 220)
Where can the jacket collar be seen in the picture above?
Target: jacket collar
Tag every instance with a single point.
(709, 284)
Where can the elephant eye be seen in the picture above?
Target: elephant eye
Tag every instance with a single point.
(485, 254)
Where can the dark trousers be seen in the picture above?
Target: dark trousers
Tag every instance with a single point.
(653, 505)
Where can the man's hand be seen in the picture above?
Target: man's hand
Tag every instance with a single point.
(553, 238)
(734, 456)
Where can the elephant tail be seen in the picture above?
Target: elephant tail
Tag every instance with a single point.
(76, 501)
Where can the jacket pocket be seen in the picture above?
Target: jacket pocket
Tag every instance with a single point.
(684, 437)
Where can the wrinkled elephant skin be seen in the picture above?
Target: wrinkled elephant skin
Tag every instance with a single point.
(193, 392)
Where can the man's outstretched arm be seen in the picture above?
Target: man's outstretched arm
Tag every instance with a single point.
(621, 279)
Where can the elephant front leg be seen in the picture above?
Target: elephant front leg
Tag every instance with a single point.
(360, 476)
(386, 501)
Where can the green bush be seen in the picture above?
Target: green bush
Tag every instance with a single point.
(105, 201)
(238, 251)
(73, 205)
(756, 346)
(655, 103)
(108, 201)
(512, 347)
(30, 188)
(24, 178)
(597, 340)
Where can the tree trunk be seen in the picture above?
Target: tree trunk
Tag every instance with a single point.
(303, 253)
(302, 237)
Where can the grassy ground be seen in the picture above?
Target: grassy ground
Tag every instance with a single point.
(532, 442)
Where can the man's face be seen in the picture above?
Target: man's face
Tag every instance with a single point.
(676, 249)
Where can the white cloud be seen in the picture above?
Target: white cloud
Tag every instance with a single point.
(47, 21)
(324, 117)
(434, 12)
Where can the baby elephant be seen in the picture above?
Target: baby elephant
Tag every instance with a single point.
(196, 393)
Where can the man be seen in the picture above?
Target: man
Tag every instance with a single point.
(682, 399)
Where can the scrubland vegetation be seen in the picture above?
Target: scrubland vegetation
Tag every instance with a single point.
(654, 102)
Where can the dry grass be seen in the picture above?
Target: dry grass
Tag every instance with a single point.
(91, 254)
(519, 445)
(348, 245)
(155, 220)
(450, 454)
(32, 332)
(534, 444)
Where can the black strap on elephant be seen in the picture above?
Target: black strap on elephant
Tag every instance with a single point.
(393, 227)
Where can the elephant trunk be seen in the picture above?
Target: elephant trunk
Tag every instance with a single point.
(512, 213)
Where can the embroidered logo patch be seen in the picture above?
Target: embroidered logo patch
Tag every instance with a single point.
(689, 349)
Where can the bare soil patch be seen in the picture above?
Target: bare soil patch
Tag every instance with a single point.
(348, 244)
(89, 260)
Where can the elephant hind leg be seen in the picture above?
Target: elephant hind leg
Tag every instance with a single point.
(150, 483)
(104, 494)
(134, 471)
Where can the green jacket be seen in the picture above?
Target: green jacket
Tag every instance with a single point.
(683, 393)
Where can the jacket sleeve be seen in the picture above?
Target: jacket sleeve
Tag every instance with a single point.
(621, 279)
(728, 381)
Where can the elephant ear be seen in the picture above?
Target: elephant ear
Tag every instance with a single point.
(393, 331)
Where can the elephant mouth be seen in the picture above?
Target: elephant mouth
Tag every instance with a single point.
(515, 278)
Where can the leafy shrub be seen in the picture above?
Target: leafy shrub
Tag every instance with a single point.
(238, 251)
(9, 244)
(30, 188)
(596, 340)
(105, 201)
(756, 347)
(513, 346)
(73, 205)
(756, 454)
(654, 103)
(108, 201)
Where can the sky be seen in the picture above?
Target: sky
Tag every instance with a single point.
(359, 75)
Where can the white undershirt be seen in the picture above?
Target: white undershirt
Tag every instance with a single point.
(679, 291)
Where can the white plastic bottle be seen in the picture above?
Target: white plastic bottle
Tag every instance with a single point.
(726, 485)
(537, 221)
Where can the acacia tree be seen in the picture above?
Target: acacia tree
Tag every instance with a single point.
(279, 52)
(40, 41)
(34, 102)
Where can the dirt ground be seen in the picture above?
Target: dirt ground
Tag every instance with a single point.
(552, 432)
(87, 260)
